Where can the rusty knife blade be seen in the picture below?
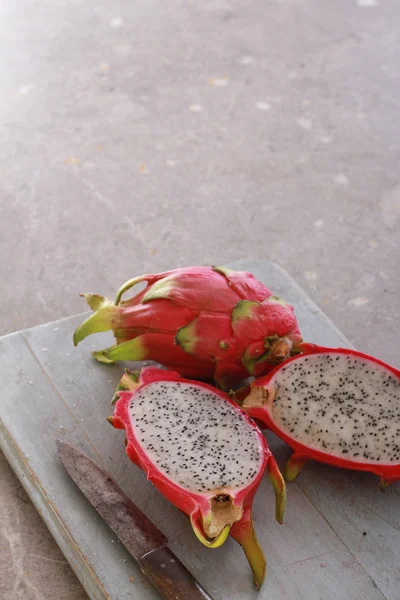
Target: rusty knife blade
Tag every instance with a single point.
(138, 534)
(145, 542)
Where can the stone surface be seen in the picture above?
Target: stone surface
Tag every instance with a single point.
(32, 565)
(143, 135)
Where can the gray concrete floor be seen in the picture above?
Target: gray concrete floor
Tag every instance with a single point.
(139, 136)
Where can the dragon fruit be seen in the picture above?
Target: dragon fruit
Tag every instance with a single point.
(207, 323)
(336, 406)
(202, 452)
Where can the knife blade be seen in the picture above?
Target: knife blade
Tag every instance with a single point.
(143, 540)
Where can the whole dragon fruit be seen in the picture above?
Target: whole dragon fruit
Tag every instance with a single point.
(202, 452)
(336, 406)
(206, 323)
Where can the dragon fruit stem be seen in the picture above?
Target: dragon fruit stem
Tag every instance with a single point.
(96, 301)
(243, 532)
(278, 483)
(210, 543)
(131, 350)
(99, 321)
(129, 382)
(127, 286)
(294, 465)
(382, 485)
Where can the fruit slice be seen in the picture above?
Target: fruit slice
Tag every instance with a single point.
(202, 452)
(336, 406)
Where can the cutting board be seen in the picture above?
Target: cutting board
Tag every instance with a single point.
(340, 537)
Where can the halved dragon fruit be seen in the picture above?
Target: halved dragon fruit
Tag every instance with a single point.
(206, 323)
(202, 452)
(336, 406)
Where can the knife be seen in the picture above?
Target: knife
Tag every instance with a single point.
(143, 540)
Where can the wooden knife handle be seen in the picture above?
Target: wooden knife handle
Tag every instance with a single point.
(170, 577)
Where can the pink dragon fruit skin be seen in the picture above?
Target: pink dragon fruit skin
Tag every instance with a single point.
(204, 322)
